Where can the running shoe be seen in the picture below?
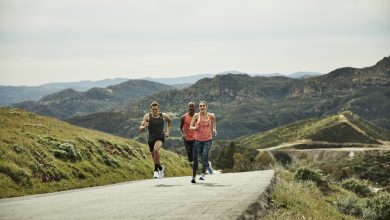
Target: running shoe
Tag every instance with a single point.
(202, 176)
(210, 168)
(155, 174)
(161, 172)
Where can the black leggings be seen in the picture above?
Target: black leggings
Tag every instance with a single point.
(203, 148)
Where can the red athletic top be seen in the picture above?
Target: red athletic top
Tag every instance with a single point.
(203, 133)
(189, 135)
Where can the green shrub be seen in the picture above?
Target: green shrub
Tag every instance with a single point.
(304, 174)
(47, 173)
(361, 188)
(225, 159)
(67, 151)
(378, 207)
(349, 205)
(18, 175)
(78, 173)
(109, 161)
(18, 149)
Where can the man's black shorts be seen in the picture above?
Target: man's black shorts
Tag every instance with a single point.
(151, 143)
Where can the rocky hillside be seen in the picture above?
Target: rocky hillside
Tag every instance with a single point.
(345, 80)
(342, 130)
(246, 105)
(69, 103)
(40, 154)
(342, 139)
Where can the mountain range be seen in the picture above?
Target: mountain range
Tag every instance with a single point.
(247, 104)
(15, 94)
(69, 102)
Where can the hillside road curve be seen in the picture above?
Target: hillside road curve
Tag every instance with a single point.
(220, 196)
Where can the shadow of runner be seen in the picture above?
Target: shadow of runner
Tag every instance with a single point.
(214, 185)
(166, 185)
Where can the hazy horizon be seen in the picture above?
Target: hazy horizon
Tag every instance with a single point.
(46, 41)
(158, 77)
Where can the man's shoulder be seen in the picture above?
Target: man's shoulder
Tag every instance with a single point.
(164, 115)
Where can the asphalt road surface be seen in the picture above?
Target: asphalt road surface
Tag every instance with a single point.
(220, 196)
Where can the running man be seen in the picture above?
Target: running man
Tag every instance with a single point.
(187, 134)
(204, 125)
(154, 121)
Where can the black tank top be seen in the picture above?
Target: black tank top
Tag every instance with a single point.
(156, 128)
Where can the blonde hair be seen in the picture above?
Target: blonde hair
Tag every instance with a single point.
(203, 102)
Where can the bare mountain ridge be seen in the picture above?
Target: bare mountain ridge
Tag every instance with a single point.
(14, 94)
(345, 80)
(245, 104)
(69, 102)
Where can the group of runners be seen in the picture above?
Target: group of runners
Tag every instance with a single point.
(197, 131)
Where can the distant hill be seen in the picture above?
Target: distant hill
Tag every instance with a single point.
(69, 103)
(342, 130)
(245, 105)
(41, 154)
(345, 80)
(302, 75)
(15, 94)
(188, 80)
(179, 80)
(85, 85)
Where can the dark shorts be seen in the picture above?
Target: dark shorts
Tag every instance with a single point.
(151, 143)
(189, 146)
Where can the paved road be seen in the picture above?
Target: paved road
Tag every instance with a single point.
(221, 196)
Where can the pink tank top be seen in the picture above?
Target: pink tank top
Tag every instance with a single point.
(203, 133)
(189, 135)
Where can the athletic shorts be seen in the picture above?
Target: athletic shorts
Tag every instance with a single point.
(151, 143)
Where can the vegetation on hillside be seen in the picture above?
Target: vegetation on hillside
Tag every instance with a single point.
(297, 195)
(373, 166)
(40, 154)
(333, 128)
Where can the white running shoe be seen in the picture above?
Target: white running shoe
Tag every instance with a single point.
(210, 169)
(155, 174)
(161, 172)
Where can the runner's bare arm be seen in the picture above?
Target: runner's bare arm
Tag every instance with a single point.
(214, 123)
(169, 124)
(144, 123)
(194, 122)
(182, 123)
(182, 119)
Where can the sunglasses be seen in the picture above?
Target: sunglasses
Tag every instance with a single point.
(202, 105)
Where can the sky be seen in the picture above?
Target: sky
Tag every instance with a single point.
(44, 41)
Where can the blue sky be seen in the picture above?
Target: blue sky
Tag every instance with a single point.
(45, 41)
